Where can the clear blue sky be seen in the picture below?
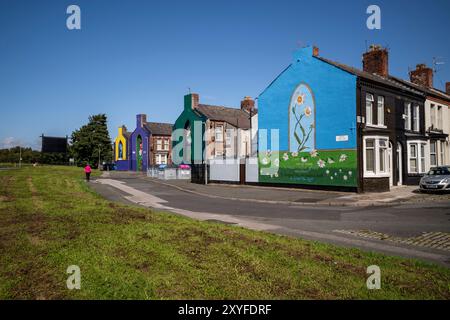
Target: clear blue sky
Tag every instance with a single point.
(142, 56)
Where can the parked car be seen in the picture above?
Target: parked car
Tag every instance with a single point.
(437, 179)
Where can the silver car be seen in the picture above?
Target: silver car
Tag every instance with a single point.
(437, 179)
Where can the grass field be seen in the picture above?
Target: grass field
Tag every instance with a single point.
(50, 219)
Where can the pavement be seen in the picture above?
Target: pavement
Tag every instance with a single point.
(394, 223)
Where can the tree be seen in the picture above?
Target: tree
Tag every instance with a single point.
(91, 141)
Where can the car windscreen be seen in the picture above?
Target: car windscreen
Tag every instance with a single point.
(439, 171)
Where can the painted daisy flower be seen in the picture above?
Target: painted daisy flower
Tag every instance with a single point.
(276, 175)
(331, 178)
(304, 159)
(330, 161)
(313, 153)
(300, 98)
(327, 172)
(276, 162)
(345, 177)
(335, 173)
(350, 173)
(340, 170)
(321, 163)
(264, 161)
(294, 154)
(308, 111)
(285, 157)
(342, 158)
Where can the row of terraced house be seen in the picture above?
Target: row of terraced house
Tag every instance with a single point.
(318, 124)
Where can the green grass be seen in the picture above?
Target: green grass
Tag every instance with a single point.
(50, 219)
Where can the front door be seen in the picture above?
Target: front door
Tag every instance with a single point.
(391, 167)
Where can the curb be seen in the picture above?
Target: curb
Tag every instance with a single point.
(291, 203)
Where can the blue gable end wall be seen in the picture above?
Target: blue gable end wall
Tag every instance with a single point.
(333, 94)
(335, 98)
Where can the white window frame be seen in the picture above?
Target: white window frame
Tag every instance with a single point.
(380, 110)
(377, 173)
(159, 144)
(433, 115)
(435, 154)
(369, 108)
(218, 134)
(416, 118)
(442, 153)
(421, 163)
(166, 145)
(161, 158)
(407, 115)
(439, 118)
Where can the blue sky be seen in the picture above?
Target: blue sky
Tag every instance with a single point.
(135, 56)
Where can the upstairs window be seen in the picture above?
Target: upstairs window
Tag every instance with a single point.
(159, 144)
(166, 144)
(369, 108)
(407, 115)
(416, 118)
(433, 115)
(439, 118)
(219, 134)
(380, 111)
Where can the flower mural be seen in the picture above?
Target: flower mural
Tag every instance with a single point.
(301, 120)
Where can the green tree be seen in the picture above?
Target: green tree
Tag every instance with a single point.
(92, 141)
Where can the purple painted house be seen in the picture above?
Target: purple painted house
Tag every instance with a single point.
(139, 145)
(149, 144)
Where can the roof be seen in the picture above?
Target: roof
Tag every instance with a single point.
(429, 91)
(236, 117)
(388, 81)
(158, 128)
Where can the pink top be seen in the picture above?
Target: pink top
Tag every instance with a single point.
(87, 169)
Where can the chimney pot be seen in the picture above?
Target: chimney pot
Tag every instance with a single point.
(376, 60)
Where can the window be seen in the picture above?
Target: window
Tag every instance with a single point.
(380, 111)
(369, 108)
(407, 115)
(433, 159)
(413, 158)
(417, 162)
(376, 157)
(442, 153)
(219, 134)
(439, 118)
(433, 115)
(166, 144)
(161, 159)
(370, 155)
(416, 118)
(422, 157)
(382, 152)
(159, 144)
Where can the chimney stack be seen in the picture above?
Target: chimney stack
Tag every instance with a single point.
(315, 51)
(447, 87)
(248, 104)
(422, 76)
(191, 100)
(376, 61)
(141, 119)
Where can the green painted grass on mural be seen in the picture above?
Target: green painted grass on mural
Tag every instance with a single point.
(322, 167)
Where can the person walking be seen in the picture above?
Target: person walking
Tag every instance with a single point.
(87, 171)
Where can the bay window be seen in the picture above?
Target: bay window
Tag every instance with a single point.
(416, 157)
(433, 158)
(376, 156)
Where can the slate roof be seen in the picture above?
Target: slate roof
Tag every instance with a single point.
(429, 91)
(388, 81)
(236, 117)
(159, 129)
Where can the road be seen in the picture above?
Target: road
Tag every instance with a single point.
(404, 224)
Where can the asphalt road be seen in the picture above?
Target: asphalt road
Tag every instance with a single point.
(314, 223)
